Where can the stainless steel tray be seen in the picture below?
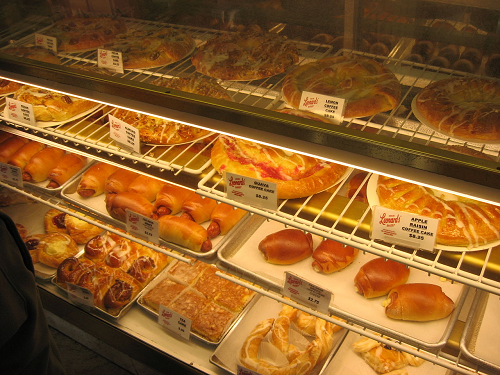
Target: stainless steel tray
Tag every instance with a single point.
(482, 329)
(163, 275)
(240, 255)
(224, 356)
(98, 206)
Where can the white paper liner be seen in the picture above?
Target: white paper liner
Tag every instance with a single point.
(489, 332)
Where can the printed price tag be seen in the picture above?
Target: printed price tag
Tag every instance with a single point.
(402, 228)
(327, 106)
(47, 42)
(20, 111)
(240, 370)
(142, 226)
(80, 295)
(125, 134)
(12, 174)
(111, 60)
(174, 322)
(306, 293)
(251, 191)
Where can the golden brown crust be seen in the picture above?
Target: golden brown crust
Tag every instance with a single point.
(332, 256)
(25, 153)
(52, 106)
(146, 186)
(119, 181)
(93, 180)
(40, 165)
(378, 276)
(194, 85)
(6, 86)
(418, 302)
(156, 130)
(296, 175)
(118, 204)
(224, 217)
(170, 199)
(184, 232)
(80, 33)
(10, 146)
(464, 107)
(245, 56)
(368, 86)
(151, 48)
(55, 247)
(80, 230)
(465, 223)
(66, 167)
(54, 221)
(287, 246)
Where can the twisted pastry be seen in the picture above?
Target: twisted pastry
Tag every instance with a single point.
(461, 223)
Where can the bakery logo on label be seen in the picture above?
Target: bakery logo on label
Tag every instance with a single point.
(310, 102)
(389, 221)
(236, 182)
(294, 281)
(166, 314)
(12, 106)
(3, 168)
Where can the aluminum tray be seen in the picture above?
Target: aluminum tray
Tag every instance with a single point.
(481, 331)
(98, 206)
(240, 255)
(163, 275)
(224, 356)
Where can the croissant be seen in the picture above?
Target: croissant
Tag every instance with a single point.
(331, 256)
(198, 208)
(170, 199)
(40, 165)
(287, 246)
(418, 302)
(378, 276)
(461, 223)
(224, 217)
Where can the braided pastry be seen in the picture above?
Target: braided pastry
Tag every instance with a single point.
(465, 223)
(301, 362)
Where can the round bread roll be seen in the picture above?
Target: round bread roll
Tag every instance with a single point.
(287, 246)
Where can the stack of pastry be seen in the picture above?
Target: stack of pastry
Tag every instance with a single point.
(197, 293)
(180, 212)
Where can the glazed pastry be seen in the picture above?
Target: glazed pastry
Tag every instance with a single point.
(287, 246)
(98, 247)
(418, 302)
(53, 248)
(332, 256)
(377, 277)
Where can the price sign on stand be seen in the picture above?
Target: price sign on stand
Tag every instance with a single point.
(80, 295)
(111, 60)
(142, 226)
(47, 42)
(306, 293)
(402, 228)
(330, 107)
(20, 111)
(12, 174)
(174, 322)
(125, 134)
(251, 191)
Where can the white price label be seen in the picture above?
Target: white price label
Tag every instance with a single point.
(20, 111)
(174, 322)
(111, 60)
(12, 174)
(80, 295)
(47, 42)
(251, 191)
(306, 293)
(330, 107)
(142, 226)
(125, 134)
(402, 228)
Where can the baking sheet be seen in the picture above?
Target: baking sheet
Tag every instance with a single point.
(31, 216)
(348, 362)
(97, 205)
(164, 275)
(482, 329)
(373, 200)
(224, 356)
(242, 254)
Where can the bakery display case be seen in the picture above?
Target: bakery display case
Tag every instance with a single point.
(362, 102)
